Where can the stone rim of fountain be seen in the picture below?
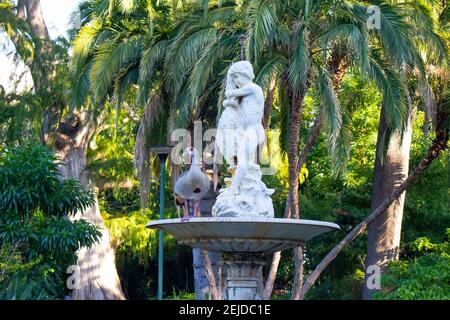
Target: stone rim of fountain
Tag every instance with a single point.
(244, 235)
(243, 241)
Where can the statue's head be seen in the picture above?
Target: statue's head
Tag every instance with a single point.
(241, 73)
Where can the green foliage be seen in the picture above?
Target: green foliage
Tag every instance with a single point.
(426, 277)
(30, 183)
(20, 289)
(12, 25)
(22, 110)
(130, 233)
(182, 295)
(37, 240)
(110, 159)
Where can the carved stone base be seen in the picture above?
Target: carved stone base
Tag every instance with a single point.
(245, 196)
(242, 275)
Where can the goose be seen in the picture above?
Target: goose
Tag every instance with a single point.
(191, 185)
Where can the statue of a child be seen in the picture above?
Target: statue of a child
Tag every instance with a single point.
(241, 120)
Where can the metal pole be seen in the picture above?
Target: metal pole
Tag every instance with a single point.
(162, 159)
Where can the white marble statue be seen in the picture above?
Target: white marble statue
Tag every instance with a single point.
(239, 138)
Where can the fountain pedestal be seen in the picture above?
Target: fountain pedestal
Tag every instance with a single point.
(243, 241)
(242, 275)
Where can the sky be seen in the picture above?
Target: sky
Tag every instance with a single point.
(56, 15)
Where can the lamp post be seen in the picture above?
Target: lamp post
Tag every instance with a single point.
(162, 152)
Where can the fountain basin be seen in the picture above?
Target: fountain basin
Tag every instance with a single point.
(243, 235)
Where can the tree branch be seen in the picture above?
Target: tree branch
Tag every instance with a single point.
(215, 294)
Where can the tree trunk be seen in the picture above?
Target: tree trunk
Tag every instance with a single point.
(271, 276)
(98, 274)
(268, 103)
(35, 18)
(385, 231)
(31, 11)
(298, 274)
(294, 139)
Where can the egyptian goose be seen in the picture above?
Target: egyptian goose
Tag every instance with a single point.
(191, 185)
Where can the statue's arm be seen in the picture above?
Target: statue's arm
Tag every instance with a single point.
(242, 92)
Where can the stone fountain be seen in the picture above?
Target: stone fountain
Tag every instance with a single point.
(243, 226)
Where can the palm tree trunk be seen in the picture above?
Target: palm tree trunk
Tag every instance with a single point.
(268, 103)
(294, 139)
(438, 146)
(337, 67)
(292, 209)
(98, 274)
(385, 231)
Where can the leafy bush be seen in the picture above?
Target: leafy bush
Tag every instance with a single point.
(37, 240)
(424, 277)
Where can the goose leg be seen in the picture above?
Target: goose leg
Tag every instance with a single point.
(186, 216)
(197, 212)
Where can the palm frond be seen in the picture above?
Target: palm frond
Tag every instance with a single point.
(299, 64)
(108, 60)
(203, 71)
(394, 33)
(394, 94)
(429, 105)
(78, 89)
(263, 25)
(83, 44)
(354, 37)
(126, 6)
(273, 67)
(332, 117)
(122, 82)
(184, 52)
(151, 57)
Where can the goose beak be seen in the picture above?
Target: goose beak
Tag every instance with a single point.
(179, 201)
